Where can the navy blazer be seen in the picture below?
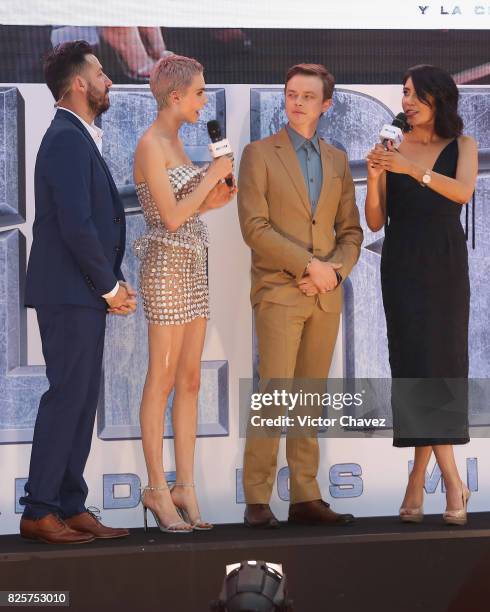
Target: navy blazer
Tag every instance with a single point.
(79, 230)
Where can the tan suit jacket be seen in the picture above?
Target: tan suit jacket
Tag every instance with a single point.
(277, 223)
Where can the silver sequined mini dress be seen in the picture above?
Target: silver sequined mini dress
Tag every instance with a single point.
(173, 272)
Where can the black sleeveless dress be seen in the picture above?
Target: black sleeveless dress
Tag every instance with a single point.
(426, 296)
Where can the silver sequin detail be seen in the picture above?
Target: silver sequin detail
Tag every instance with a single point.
(173, 279)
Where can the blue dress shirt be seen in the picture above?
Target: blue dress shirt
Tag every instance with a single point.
(310, 160)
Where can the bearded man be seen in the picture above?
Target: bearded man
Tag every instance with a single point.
(73, 279)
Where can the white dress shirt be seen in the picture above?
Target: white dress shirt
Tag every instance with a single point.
(96, 134)
(91, 128)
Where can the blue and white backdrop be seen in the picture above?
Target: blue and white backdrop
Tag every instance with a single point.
(363, 476)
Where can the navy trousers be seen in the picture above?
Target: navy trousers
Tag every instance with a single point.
(73, 343)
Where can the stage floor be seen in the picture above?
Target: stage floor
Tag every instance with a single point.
(374, 564)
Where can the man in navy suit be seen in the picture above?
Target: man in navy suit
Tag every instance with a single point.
(73, 279)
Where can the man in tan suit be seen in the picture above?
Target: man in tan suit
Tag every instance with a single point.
(297, 212)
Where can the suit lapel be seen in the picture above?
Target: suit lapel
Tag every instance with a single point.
(66, 115)
(286, 153)
(327, 170)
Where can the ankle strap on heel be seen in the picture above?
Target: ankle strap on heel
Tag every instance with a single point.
(148, 488)
(183, 484)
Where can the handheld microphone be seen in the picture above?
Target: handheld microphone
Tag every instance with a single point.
(394, 132)
(219, 146)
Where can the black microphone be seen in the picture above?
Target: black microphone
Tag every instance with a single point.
(394, 132)
(219, 146)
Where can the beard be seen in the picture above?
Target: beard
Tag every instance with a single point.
(98, 102)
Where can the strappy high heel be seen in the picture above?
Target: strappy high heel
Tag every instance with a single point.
(198, 524)
(458, 517)
(171, 527)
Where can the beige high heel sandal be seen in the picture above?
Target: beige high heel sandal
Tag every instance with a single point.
(459, 517)
(411, 515)
(171, 527)
(198, 524)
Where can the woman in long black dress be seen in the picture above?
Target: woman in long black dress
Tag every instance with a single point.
(417, 193)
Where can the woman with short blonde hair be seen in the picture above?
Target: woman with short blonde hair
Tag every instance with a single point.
(174, 193)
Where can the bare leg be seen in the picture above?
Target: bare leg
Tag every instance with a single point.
(187, 382)
(445, 459)
(165, 345)
(414, 495)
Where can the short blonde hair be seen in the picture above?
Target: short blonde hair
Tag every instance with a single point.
(172, 73)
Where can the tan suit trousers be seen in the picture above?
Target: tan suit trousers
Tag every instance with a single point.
(294, 341)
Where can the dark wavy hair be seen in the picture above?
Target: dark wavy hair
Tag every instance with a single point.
(62, 63)
(431, 81)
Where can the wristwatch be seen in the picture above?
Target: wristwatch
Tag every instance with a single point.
(426, 179)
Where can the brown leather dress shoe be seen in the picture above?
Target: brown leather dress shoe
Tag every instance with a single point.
(87, 522)
(316, 512)
(52, 530)
(260, 516)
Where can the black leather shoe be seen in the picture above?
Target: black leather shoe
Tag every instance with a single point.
(316, 512)
(260, 516)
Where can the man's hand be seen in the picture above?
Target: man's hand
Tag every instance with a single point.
(124, 302)
(322, 273)
(307, 286)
